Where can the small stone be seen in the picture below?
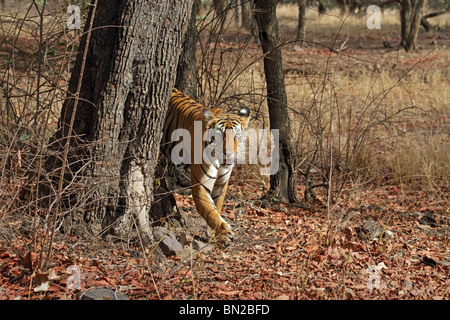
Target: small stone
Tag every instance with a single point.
(373, 229)
(170, 247)
(408, 285)
(102, 294)
(167, 242)
(186, 238)
(428, 219)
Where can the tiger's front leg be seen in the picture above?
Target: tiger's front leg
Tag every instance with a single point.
(206, 207)
(218, 194)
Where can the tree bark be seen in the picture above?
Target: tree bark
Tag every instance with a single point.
(411, 40)
(405, 18)
(301, 22)
(411, 12)
(171, 176)
(129, 74)
(283, 183)
(220, 9)
(186, 80)
(245, 14)
(247, 17)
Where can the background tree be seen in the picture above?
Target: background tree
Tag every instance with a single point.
(283, 183)
(321, 8)
(411, 12)
(424, 22)
(246, 15)
(347, 6)
(248, 18)
(301, 21)
(119, 92)
(220, 8)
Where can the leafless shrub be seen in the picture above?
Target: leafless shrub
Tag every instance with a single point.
(341, 134)
(38, 54)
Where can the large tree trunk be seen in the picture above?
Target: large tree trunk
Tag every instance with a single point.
(171, 176)
(282, 183)
(186, 80)
(129, 73)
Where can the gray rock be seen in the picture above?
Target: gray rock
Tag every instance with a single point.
(186, 238)
(373, 229)
(162, 232)
(198, 245)
(195, 248)
(167, 241)
(428, 219)
(102, 294)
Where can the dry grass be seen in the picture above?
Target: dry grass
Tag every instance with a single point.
(331, 22)
(371, 115)
(367, 112)
(374, 113)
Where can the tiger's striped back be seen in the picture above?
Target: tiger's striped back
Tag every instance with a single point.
(209, 179)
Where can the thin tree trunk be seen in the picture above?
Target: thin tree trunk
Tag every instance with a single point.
(248, 19)
(411, 40)
(237, 17)
(301, 22)
(321, 8)
(282, 183)
(245, 14)
(221, 10)
(129, 74)
(405, 18)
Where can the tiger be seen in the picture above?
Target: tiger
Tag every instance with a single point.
(210, 176)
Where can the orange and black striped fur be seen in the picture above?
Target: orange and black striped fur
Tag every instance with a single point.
(209, 178)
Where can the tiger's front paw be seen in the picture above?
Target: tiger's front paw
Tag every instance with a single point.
(224, 234)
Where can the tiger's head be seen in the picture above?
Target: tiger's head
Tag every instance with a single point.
(226, 133)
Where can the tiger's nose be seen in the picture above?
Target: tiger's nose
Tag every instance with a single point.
(229, 158)
(229, 141)
(230, 150)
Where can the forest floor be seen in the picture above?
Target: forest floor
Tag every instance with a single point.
(392, 244)
(382, 240)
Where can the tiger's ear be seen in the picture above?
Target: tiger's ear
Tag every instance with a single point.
(244, 113)
(207, 115)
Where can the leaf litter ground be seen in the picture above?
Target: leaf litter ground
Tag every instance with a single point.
(280, 251)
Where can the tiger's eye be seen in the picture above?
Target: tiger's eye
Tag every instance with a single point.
(239, 133)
